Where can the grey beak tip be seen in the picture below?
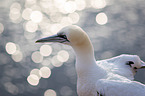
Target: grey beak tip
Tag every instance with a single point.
(36, 41)
(142, 67)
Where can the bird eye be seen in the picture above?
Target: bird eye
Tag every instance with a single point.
(64, 37)
(129, 63)
(135, 67)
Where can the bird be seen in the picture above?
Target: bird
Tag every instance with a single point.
(89, 71)
(117, 85)
(121, 71)
(125, 65)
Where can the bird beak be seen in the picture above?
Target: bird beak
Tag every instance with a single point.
(143, 64)
(53, 38)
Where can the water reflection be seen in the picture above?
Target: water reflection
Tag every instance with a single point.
(33, 79)
(45, 72)
(45, 50)
(50, 92)
(32, 69)
(101, 18)
(37, 57)
(36, 16)
(10, 48)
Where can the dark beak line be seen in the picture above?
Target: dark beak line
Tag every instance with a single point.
(142, 67)
(54, 38)
(47, 39)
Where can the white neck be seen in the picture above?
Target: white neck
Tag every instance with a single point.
(85, 60)
(87, 70)
(84, 53)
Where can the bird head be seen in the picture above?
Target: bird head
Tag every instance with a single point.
(70, 35)
(130, 63)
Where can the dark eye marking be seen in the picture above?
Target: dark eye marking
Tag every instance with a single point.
(129, 63)
(135, 67)
(64, 37)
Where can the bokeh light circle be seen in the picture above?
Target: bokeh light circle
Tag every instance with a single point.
(31, 26)
(69, 7)
(98, 3)
(45, 72)
(101, 18)
(33, 79)
(55, 62)
(37, 57)
(75, 17)
(17, 56)
(36, 72)
(45, 50)
(81, 4)
(10, 48)
(36, 16)
(63, 56)
(26, 13)
(50, 92)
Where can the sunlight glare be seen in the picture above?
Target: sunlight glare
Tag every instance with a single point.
(81, 4)
(50, 92)
(69, 7)
(37, 57)
(30, 26)
(26, 13)
(17, 56)
(45, 72)
(62, 56)
(16, 5)
(55, 62)
(36, 72)
(33, 79)
(75, 17)
(15, 12)
(45, 50)
(36, 16)
(101, 18)
(10, 48)
(98, 4)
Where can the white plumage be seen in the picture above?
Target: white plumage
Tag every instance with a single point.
(119, 65)
(116, 85)
(103, 76)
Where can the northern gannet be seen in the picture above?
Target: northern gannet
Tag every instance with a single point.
(89, 72)
(124, 65)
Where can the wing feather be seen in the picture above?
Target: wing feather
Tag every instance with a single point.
(120, 88)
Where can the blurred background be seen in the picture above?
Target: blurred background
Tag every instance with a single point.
(27, 69)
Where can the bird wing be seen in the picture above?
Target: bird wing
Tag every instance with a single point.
(111, 87)
(110, 66)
